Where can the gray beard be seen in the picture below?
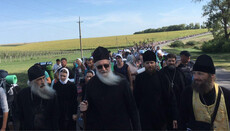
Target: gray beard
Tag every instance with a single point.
(46, 92)
(110, 79)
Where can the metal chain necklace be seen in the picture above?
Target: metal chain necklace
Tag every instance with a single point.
(172, 80)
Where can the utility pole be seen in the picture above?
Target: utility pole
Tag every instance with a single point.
(80, 36)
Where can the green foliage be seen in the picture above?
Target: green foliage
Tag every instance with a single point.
(216, 45)
(226, 46)
(177, 44)
(191, 43)
(171, 28)
(196, 47)
(218, 17)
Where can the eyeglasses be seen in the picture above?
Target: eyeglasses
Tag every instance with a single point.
(101, 66)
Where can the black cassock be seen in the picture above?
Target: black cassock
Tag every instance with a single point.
(67, 99)
(36, 113)
(175, 79)
(110, 107)
(155, 101)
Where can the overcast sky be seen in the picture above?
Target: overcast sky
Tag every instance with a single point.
(23, 21)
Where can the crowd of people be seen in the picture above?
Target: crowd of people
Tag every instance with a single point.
(139, 88)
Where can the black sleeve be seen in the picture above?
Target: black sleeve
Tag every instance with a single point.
(227, 100)
(20, 110)
(131, 106)
(137, 91)
(55, 113)
(185, 107)
(74, 98)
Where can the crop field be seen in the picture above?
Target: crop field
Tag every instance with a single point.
(91, 43)
(16, 59)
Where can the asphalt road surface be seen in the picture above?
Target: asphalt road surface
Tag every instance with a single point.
(223, 77)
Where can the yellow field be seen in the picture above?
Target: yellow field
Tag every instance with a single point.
(89, 43)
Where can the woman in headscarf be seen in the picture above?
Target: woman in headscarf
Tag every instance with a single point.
(67, 98)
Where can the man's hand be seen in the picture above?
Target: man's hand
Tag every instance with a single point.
(175, 126)
(74, 117)
(84, 106)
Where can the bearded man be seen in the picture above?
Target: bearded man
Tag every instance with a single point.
(205, 105)
(155, 100)
(37, 104)
(110, 104)
(175, 78)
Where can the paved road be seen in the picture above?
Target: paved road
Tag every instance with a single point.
(223, 77)
(169, 42)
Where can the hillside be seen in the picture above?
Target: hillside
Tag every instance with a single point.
(90, 43)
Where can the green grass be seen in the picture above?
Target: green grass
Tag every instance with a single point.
(20, 68)
(220, 59)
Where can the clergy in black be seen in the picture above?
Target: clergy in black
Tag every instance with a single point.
(175, 78)
(37, 104)
(154, 98)
(110, 104)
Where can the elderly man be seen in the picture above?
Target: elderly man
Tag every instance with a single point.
(110, 104)
(37, 103)
(155, 100)
(205, 105)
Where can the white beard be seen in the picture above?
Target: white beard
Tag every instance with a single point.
(46, 92)
(110, 79)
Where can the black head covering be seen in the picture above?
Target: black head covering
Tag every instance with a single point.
(204, 63)
(35, 72)
(149, 56)
(100, 53)
(186, 53)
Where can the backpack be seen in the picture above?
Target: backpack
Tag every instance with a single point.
(47, 66)
(8, 83)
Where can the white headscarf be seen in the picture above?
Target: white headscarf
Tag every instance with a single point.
(67, 76)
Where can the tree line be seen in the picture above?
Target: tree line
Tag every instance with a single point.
(173, 28)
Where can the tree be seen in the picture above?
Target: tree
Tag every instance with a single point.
(218, 13)
(197, 26)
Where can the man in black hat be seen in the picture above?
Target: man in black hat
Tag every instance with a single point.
(186, 66)
(155, 100)
(205, 105)
(110, 104)
(37, 104)
(175, 78)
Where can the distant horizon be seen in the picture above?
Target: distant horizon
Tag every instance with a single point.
(71, 39)
(27, 21)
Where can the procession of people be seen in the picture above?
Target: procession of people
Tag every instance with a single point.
(139, 88)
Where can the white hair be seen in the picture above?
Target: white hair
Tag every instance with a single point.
(45, 92)
(110, 78)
